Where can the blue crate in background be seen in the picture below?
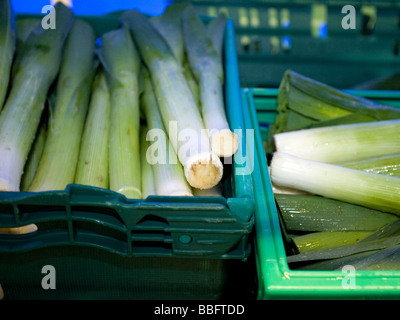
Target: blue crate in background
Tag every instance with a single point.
(308, 37)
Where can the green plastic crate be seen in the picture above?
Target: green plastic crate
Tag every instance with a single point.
(275, 279)
(307, 36)
(103, 245)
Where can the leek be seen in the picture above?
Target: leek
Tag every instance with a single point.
(207, 69)
(314, 213)
(327, 239)
(389, 165)
(92, 168)
(191, 81)
(169, 25)
(148, 186)
(381, 239)
(181, 116)
(7, 46)
(21, 115)
(35, 154)
(215, 31)
(24, 28)
(318, 105)
(58, 163)
(121, 60)
(169, 178)
(342, 143)
(376, 191)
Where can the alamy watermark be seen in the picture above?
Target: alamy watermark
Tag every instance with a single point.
(349, 20)
(49, 20)
(349, 280)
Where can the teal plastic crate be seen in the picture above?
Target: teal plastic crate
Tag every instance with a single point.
(105, 246)
(275, 279)
(307, 36)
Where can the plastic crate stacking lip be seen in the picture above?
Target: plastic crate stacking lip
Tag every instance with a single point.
(216, 227)
(276, 280)
(308, 36)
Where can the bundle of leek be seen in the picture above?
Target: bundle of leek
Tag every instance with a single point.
(57, 165)
(202, 167)
(7, 46)
(121, 61)
(19, 120)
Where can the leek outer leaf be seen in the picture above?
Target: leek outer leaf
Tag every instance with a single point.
(207, 69)
(121, 61)
(181, 116)
(342, 143)
(377, 191)
(7, 46)
(58, 163)
(169, 177)
(92, 166)
(21, 115)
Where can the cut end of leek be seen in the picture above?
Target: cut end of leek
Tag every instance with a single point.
(20, 230)
(204, 170)
(130, 192)
(224, 143)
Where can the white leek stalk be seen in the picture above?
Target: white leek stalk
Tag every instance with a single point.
(21, 115)
(169, 177)
(92, 166)
(208, 71)
(342, 143)
(148, 187)
(7, 46)
(122, 63)
(376, 191)
(58, 163)
(181, 116)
